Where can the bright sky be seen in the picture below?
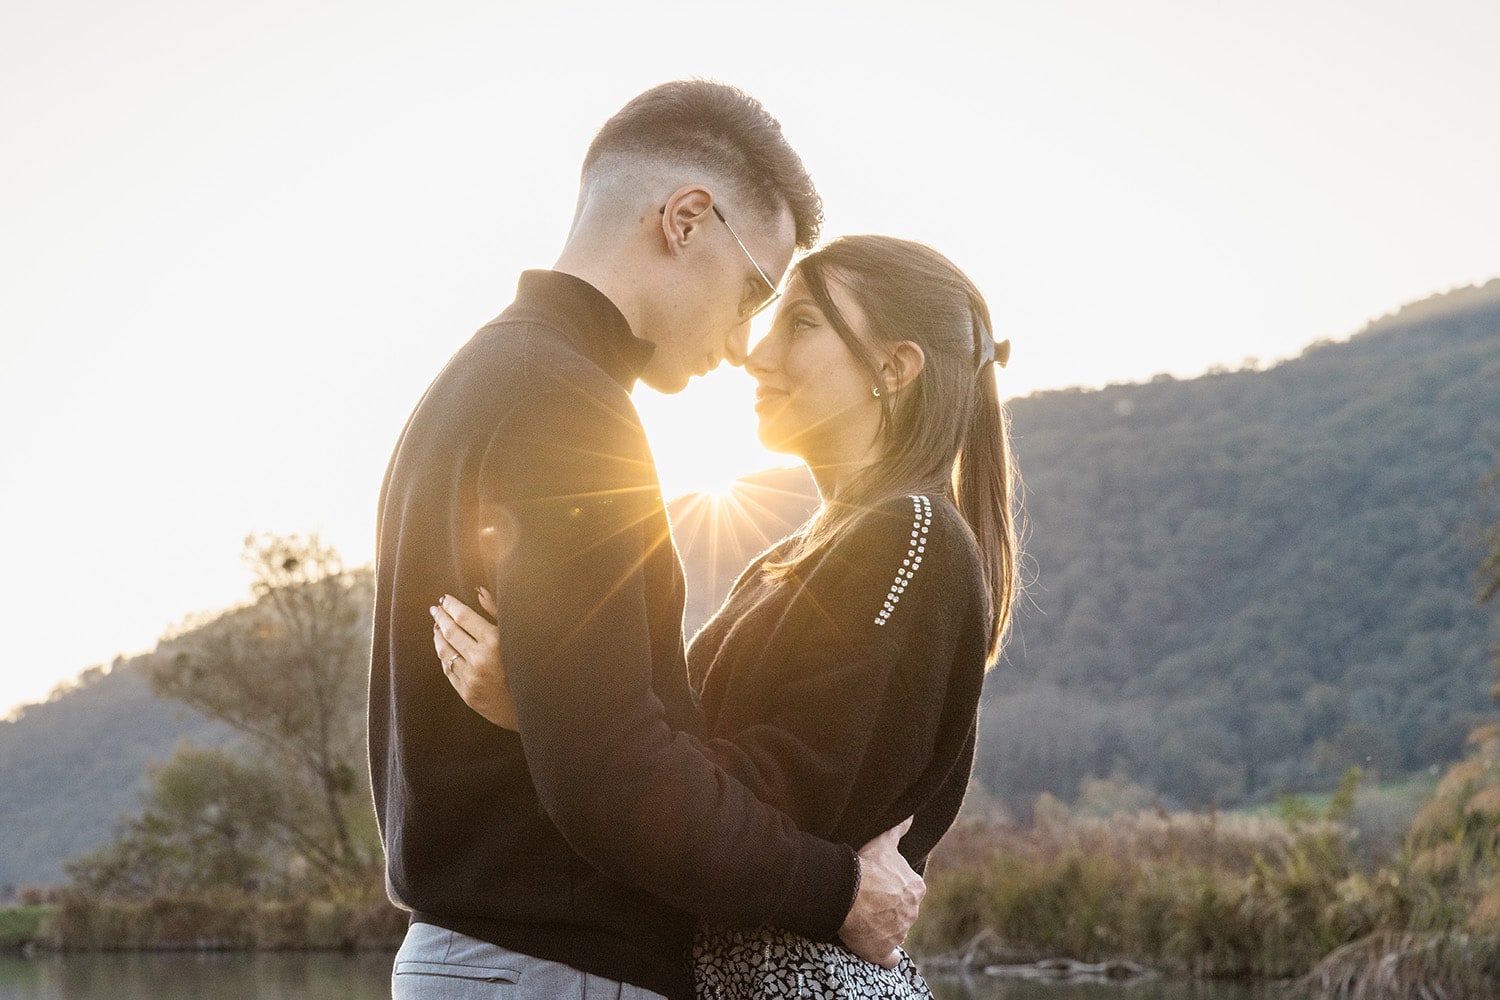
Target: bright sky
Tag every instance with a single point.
(237, 240)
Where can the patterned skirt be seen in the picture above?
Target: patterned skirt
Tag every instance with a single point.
(771, 963)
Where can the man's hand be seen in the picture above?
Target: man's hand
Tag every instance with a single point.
(890, 893)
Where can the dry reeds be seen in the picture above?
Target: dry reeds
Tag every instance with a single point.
(222, 921)
(1398, 966)
(1215, 895)
(1208, 895)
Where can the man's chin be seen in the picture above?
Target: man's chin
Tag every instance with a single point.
(667, 383)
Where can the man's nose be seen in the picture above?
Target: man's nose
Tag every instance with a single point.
(737, 345)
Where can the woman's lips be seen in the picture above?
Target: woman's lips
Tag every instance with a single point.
(765, 395)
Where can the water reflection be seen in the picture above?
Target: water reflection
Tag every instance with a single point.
(287, 976)
(988, 988)
(323, 976)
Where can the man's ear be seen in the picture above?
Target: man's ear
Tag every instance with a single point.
(903, 362)
(685, 213)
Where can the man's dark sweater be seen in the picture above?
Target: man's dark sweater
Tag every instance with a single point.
(598, 834)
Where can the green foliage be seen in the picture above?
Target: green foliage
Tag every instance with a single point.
(210, 821)
(1339, 807)
(22, 925)
(1295, 809)
(1342, 806)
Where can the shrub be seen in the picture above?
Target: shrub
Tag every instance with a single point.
(23, 925)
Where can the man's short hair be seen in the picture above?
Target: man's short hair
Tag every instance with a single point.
(722, 130)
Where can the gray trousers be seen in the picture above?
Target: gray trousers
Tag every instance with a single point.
(434, 964)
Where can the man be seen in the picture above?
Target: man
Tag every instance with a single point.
(579, 853)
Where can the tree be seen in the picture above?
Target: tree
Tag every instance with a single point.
(208, 821)
(289, 673)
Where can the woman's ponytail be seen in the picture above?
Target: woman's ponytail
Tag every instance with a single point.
(986, 489)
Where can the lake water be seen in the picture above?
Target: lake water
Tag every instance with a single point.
(318, 976)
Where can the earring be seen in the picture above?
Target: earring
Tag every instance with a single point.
(875, 392)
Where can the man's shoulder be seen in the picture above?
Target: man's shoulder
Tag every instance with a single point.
(539, 357)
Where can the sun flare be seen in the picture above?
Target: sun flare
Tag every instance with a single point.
(703, 438)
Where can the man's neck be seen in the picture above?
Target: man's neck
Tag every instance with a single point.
(597, 271)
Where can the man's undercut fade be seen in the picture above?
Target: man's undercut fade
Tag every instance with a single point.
(722, 130)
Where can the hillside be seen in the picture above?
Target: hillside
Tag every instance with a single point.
(70, 766)
(1246, 582)
(1241, 585)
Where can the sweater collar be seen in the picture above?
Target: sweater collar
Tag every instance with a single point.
(589, 320)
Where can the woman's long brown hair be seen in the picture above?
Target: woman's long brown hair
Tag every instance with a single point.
(945, 432)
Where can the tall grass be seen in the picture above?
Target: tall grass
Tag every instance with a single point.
(1205, 895)
(218, 921)
(1242, 896)
(1440, 933)
(1421, 965)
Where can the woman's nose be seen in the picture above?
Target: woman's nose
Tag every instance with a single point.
(759, 360)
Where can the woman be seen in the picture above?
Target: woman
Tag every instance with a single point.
(840, 680)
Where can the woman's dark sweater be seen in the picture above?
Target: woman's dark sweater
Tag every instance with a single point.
(847, 694)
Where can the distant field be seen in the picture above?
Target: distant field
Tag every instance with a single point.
(1405, 793)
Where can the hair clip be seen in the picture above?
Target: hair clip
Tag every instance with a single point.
(990, 350)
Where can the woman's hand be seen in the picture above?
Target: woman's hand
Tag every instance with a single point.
(468, 645)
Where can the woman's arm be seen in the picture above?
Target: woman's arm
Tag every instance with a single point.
(468, 644)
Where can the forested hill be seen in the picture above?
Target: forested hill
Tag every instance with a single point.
(1248, 581)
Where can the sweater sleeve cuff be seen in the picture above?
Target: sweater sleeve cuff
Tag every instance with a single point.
(821, 891)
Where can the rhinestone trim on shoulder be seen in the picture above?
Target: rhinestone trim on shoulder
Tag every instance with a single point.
(921, 509)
